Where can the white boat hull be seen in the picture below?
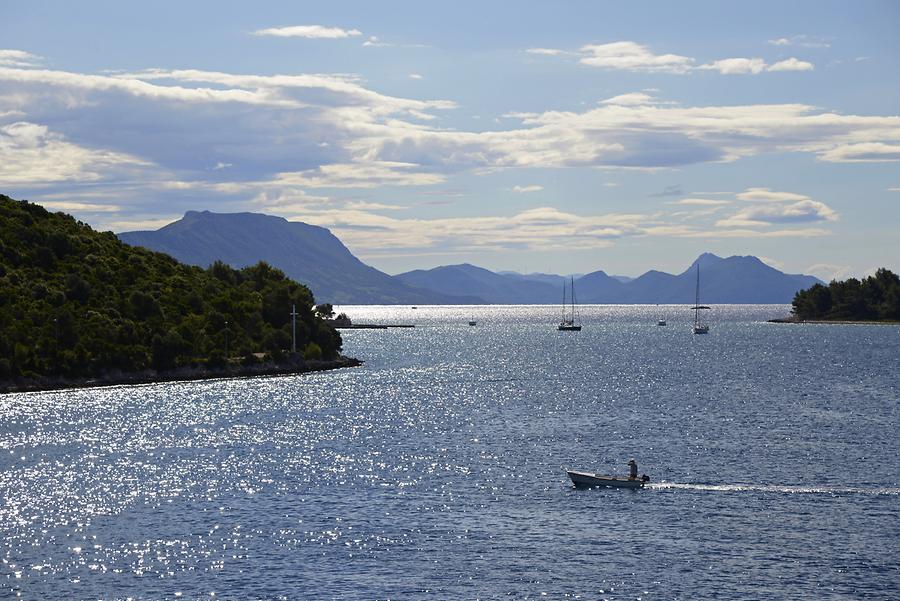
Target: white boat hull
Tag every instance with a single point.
(587, 479)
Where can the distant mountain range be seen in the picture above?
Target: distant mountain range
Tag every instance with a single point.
(314, 256)
(309, 254)
(732, 280)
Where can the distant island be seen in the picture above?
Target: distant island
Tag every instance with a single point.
(875, 298)
(80, 307)
(315, 256)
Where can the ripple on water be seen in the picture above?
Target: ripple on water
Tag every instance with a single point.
(436, 469)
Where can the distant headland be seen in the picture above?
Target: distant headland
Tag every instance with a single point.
(875, 299)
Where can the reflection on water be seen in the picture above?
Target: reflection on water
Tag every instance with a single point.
(436, 469)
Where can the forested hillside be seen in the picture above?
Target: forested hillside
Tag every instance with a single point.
(75, 302)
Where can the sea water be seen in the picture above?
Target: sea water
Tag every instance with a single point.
(436, 470)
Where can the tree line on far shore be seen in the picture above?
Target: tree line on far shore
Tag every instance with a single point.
(79, 303)
(875, 298)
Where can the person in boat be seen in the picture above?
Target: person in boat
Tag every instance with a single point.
(632, 469)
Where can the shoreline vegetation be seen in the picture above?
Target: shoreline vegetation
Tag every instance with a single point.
(836, 322)
(294, 366)
(875, 299)
(80, 308)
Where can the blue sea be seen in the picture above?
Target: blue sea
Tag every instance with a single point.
(436, 470)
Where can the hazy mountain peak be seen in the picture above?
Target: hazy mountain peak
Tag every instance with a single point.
(596, 274)
(707, 258)
(310, 254)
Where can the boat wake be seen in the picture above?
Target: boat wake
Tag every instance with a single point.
(779, 488)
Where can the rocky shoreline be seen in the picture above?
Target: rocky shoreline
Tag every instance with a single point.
(291, 366)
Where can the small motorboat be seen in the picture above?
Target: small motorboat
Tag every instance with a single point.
(588, 480)
(473, 322)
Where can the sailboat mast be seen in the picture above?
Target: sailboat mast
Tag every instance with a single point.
(573, 299)
(564, 301)
(697, 298)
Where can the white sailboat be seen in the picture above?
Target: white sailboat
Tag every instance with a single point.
(662, 320)
(568, 321)
(699, 328)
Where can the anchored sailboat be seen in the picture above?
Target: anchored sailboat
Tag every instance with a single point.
(568, 321)
(699, 328)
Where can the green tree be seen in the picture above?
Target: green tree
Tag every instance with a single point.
(78, 302)
(873, 298)
(325, 310)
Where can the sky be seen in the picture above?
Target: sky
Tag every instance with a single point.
(559, 137)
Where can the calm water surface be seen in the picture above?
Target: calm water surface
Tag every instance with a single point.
(436, 470)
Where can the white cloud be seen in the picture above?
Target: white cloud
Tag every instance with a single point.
(645, 135)
(18, 58)
(415, 76)
(80, 207)
(349, 123)
(526, 189)
(81, 83)
(309, 32)
(772, 262)
(547, 51)
(829, 271)
(805, 41)
(865, 152)
(809, 232)
(130, 225)
(736, 66)
(768, 214)
(765, 194)
(632, 56)
(361, 205)
(375, 42)
(742, 66)
(791, 64)
(803, 211)
(895, 189)
(631, 99)
(539, 228)
(360, 175)
(275, 132)
(284, 89)
(701, 202)
(31, 154)
(542, 228)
